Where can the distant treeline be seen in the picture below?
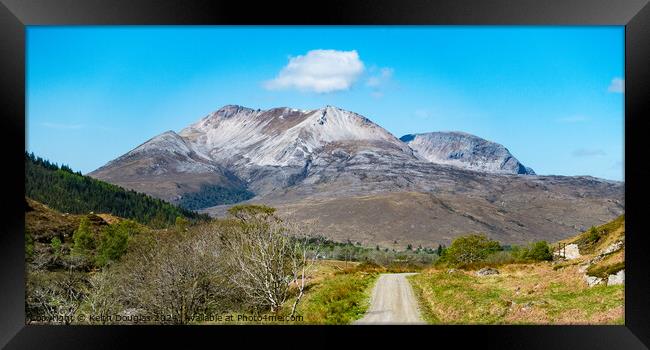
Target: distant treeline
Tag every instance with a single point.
(62, 189)
(210, 196)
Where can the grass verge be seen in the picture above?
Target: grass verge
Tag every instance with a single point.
(337, 293)
(534, 294)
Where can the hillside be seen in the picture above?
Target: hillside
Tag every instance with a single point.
(599, 252)
(584, 289)
(66, 191)
(510, 209)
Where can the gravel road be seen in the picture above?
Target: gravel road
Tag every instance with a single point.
(392, 302)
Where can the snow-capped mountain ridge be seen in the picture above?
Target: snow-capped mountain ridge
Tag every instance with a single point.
(279, 136)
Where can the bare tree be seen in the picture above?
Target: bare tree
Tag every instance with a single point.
(56, 296)
(267, 255)
(176, 277)
(103, 300)
(260, 254)
(303, 262)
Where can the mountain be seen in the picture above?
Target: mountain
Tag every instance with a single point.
(360, 181)
(465, 151)
(166, 167)
(276, 148)
(66, 191)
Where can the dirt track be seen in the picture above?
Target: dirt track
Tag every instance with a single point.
(393, 302)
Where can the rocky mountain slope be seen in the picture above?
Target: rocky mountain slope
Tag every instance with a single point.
(465, 151)
(166, 167)
(361, 182)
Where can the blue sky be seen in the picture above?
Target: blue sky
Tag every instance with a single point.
(552, 95)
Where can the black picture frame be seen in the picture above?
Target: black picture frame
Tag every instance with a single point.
(633, 14)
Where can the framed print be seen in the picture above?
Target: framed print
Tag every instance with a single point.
(454, 171)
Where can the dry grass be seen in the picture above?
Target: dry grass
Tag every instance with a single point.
(338, 292)
(521, 294)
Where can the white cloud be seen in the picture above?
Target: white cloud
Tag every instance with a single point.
(617, 86)
(320, 71)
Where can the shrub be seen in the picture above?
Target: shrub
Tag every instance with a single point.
(56, 246)
(246, 212)
(182, 279)
(470, 249)
(604, 271)
(500, 258)
(113, 242)
(83, 237)
(592, 236)
(29, 246)
(539, 251)
(181, 223)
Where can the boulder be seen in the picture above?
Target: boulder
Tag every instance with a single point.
(571, 251)
(617, 278)
(593, 280)
(487, 271)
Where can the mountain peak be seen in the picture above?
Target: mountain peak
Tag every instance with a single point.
(228, 111)
(466, 151)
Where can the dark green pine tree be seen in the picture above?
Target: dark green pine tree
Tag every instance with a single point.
(67, 191)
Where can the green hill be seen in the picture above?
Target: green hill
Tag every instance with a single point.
(67, 191)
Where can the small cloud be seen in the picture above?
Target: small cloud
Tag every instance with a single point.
(62, 126)
(583, 152)
(320, 71)
(379, 79)
(573, 119)
(617, 86)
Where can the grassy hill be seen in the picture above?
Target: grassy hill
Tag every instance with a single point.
(71, 192)
(548, 292)
(602, 250)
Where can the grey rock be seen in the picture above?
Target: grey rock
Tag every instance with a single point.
(570, 252)
(593, 280)
(616, 279)
(486, 271)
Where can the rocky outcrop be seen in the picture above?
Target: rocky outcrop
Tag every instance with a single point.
(611, 280)
(569, 252)
(612, 248)
(465, 151)
(487, 271)
(593, 280)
